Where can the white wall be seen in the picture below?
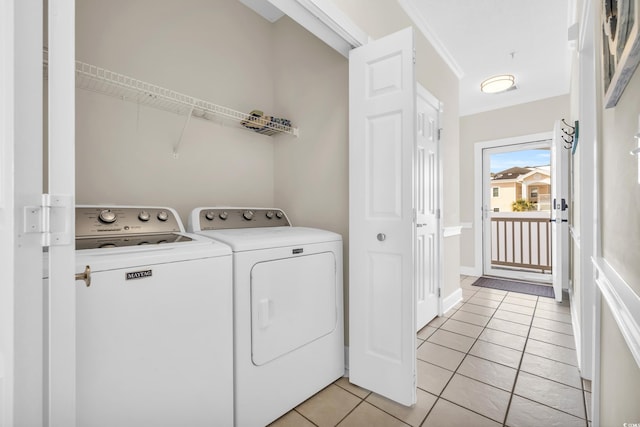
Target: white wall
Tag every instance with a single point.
(216, 50)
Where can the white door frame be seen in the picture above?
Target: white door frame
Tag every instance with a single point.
(61, 379)
(479, 147)
(589, 233)
(21, 326)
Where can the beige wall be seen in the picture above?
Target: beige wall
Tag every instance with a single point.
(526, 119)
(216, 50)
(312, 171)
(386, 17)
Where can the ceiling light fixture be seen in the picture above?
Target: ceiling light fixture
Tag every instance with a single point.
(497, 84)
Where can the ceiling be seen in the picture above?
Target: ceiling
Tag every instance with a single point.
(482, 38)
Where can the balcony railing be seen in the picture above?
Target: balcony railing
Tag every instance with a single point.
(521, 240)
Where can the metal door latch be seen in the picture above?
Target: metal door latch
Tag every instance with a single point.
(85, 276)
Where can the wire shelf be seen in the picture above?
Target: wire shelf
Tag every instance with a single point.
(92, 78)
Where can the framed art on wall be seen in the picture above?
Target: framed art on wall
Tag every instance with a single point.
(620, 46)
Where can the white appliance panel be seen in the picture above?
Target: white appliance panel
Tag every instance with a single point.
(150, 349)
(300, 373)
(293, 302)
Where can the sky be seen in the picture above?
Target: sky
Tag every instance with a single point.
(502, 161)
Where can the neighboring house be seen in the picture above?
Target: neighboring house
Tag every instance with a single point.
(532, 184)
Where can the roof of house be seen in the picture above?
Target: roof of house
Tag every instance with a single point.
(511, 173)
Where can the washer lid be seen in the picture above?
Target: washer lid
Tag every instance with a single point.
(249, 239)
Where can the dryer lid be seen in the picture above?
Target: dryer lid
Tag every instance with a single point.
(248, 239)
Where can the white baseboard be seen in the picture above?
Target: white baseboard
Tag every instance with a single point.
(623, 302)
(575, 323)
(449, 301)
(470, 271)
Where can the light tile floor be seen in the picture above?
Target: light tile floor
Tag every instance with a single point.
(496, 359)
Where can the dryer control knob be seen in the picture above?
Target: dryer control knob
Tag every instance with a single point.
(144, 216)
(163, 215)
(210, 215)
(279, 214)
(248, 215)
(269, 214)
(223, 215)
(107, 217)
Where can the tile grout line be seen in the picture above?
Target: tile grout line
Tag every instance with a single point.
(535, 307)
(439, 396)
(462, 361)
(515, 380)
(439, 327)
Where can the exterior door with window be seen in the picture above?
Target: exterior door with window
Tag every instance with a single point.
(516, 229)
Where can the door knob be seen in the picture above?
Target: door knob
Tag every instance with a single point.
(85, 276)
(381, 237)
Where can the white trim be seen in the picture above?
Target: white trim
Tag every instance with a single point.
(449, 301)
(323, 19)
(466, 225)
(575, 235)
(264, 9)
(418, 19)
(455, 230)
(478, 181)
(623, 303)
(7, 257)
(575, 323)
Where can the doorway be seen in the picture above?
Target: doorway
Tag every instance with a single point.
(516, 211)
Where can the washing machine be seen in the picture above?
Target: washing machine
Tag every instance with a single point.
(154, 321)
(288, 312)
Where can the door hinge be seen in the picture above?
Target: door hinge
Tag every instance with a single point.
(437, 213)
(438, 292)
(52, 219)
(439, 133)
(414, 55)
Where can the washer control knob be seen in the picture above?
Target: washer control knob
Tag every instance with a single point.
(144, 216)
(163, 215)
(248, 215)
(279, 214)
(270, 214)
(210, 215)
(223, 215)
(106, 216)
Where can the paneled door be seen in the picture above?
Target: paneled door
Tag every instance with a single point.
(382, 226)
(427, 208)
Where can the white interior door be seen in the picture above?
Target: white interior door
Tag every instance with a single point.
(382, 305)
(559, 212)
(427, 208)
(21, 347)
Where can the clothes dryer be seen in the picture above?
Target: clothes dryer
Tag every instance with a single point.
(154, 321)
(288, 310)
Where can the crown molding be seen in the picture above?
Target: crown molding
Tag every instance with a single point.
(418, 19)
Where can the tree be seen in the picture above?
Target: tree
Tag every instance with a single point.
(522, 205)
